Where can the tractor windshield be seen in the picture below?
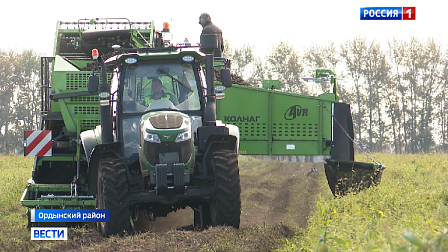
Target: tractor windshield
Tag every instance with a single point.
(144, 83)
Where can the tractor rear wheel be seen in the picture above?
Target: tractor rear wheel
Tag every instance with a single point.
(112, 195)
(225, 207)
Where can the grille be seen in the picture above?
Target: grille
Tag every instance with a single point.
(75, 81)
(152, 150)
(280, 131)
(252, 130)
(87, 110)
(79, 81)
(305, 131)
(87, 124)
(85, 99)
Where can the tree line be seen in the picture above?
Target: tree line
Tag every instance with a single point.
(398, 92)
(19, 97)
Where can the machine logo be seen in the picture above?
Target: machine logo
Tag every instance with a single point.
(233, 119)
(294, 111)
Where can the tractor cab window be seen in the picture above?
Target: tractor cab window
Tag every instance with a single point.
(144, 83)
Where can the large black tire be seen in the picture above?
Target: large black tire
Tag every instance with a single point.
(225, 207)
(113, 195)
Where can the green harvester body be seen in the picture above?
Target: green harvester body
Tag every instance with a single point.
(270, 122)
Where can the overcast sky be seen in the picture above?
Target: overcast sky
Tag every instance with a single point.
(262, 24)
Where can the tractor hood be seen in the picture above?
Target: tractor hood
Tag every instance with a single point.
(172, 125)
(165, 138)
(166, 121)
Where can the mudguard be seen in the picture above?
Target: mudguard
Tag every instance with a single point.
(224, 135)
(92, 144)
(95, 151)
(90, 139)
(233, 131)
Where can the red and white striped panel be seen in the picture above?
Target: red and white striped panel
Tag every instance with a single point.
(38, 143)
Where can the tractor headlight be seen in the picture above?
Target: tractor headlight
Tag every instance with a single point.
(151, 137)
(183, 136)
(188, 58)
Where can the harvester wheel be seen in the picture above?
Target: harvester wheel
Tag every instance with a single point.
(112, 195)
(225, 207)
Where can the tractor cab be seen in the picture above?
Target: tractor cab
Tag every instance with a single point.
(148, 91)
(141, 83)
(159, 127)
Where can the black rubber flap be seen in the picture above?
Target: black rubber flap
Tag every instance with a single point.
(348, 176)
(342, 147)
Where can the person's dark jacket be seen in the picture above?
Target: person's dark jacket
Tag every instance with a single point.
(210, 28)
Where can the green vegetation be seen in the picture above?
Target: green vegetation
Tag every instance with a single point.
(15, 171)
(262, 231)
(408, 211)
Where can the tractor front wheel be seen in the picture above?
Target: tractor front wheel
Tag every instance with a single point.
(225, 207)
(112, 195)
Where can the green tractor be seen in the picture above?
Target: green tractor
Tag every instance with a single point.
(160, 155)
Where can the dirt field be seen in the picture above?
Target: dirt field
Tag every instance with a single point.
(276, 199)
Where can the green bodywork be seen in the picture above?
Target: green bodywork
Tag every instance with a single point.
(165, 135)
(66, 101)
(50, 200)
(271, 122)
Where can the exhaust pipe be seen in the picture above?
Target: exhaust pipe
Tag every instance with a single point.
(209, 42)
(104, 94)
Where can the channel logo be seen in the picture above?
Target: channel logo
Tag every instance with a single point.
(48, 233)
(387, 13)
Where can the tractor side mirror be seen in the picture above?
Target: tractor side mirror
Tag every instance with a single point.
(324, 74)
(226, 78)
(94, 82)
(209, 43)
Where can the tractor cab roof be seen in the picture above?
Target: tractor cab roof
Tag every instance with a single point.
(131, 56)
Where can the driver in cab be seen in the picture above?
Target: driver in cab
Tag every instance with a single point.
(159, 93)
